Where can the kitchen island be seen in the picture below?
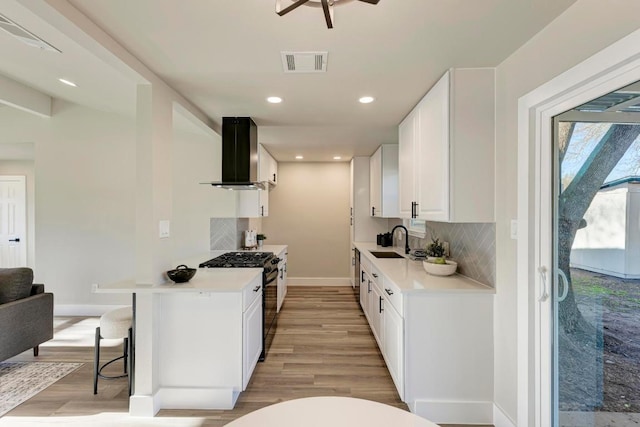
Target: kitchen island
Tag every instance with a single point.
(435, 334)
(197, 343)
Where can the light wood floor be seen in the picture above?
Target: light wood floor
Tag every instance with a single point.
(322, 347)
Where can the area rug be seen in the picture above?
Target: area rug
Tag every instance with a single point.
(20, 381)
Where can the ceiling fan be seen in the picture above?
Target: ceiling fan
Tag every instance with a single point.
(326, 5)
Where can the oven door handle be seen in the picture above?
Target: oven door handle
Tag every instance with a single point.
(272, 278)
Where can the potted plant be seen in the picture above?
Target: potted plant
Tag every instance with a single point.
(260, 238)
(435, 250)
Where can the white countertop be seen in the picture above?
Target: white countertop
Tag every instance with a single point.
(205, 280)
(409, 275)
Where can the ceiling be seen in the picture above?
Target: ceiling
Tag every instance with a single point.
(224, 56)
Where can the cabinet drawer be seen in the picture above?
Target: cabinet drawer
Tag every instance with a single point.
(376, 276)
(251, 292)
(392, 294)
(365, 263)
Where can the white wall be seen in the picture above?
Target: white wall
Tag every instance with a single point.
(84, 198)
(309, 211)
(196, 159)
(584, 29)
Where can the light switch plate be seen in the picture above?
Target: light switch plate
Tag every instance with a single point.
(164, 229)
(514, 229)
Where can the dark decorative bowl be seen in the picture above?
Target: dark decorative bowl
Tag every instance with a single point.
(181, 274)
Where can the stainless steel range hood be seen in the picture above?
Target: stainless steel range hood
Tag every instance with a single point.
(239, 155)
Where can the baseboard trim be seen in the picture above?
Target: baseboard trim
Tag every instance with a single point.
(318, 281)
(82, 310)
(454, 412)
(500, 419)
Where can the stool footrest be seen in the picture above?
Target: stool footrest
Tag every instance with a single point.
(111, 377)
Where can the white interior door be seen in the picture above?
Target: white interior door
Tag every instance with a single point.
(13, 221)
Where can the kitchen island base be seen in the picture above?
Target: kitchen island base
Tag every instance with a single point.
(196, 344)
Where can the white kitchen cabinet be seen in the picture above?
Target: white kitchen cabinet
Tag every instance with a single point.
(407, 137)
(447, 146)
(375, 313)
(383, 182)
(252, 338)
(363, 227)
(393, 344)
(282, 278)
(252, 203)
(267, 167)
(437, 344)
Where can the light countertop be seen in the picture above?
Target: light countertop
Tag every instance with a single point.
(205, 280)
(409, 275)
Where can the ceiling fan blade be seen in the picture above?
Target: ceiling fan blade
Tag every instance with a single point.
(371, 1)
(289, 8)
(328, 15)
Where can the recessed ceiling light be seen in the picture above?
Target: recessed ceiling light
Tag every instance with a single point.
(299, 157)
(274, 100)
(366, 99)
(68, 82)
(337, 157)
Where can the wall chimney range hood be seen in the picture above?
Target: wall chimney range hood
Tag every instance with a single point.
(239, 155)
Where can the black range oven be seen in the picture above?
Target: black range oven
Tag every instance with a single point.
(269, 263)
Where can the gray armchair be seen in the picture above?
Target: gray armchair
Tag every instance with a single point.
(26, 313)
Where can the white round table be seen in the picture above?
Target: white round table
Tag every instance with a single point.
(329, 411)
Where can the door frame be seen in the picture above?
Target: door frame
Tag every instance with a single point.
(607, 70)
(22, 181)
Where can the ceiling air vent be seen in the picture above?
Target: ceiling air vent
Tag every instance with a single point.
(24, 35)
(304, 62)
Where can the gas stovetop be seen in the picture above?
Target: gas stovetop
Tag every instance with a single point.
(239, 259)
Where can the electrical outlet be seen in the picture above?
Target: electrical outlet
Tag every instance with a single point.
(445, 245)
(514, 229)
(164, 229)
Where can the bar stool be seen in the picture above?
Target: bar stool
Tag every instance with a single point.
(115, 324)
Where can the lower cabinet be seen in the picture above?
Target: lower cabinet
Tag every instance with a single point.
(375, 314)
(393, 344)
(438, 346)
(282, 278)
(252, 338)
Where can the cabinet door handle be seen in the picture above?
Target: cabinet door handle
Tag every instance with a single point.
(362, 275)
(274, 177)
(388, 291)
(416, 212)
(380, 304)
(351, 221)
(373, 211)
(261, 210)
(369, 287)
(282, 273)
(257, 288)
(17, 239)
(374, 275)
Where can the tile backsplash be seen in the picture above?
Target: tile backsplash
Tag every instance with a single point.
(226, 233)
(472, 246)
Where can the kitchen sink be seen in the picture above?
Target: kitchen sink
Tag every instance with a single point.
(385, 254)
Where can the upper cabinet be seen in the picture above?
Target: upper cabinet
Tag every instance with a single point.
(268, 167)
(252, 203)
(446, 150)
(383, 182)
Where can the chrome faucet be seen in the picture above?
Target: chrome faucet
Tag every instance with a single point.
(406, 237)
